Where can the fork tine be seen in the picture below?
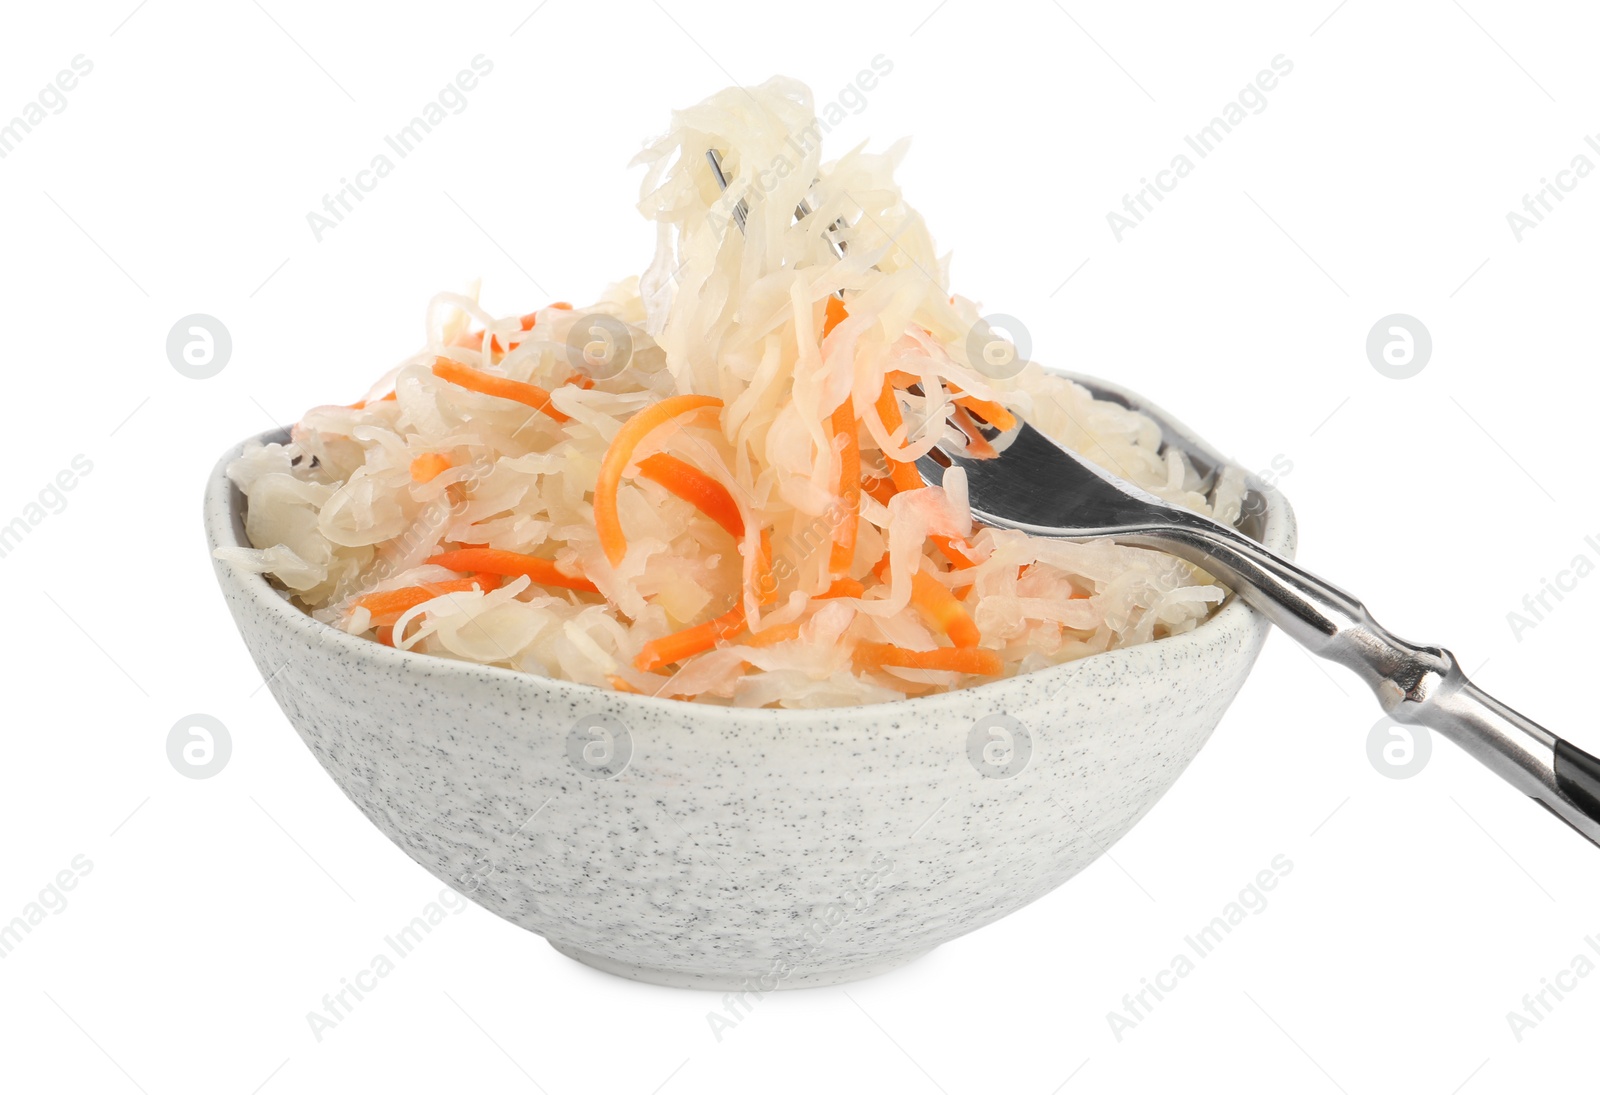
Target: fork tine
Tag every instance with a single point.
(1037, 486)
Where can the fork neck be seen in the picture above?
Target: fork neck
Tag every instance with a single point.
(1420, 685)
(1324, 618)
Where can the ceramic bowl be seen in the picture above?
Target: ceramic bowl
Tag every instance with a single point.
(712, 847)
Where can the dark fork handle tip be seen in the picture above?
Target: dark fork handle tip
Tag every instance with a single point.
(1578, 777)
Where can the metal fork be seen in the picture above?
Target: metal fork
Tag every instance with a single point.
(1040, 488)
(833, 234)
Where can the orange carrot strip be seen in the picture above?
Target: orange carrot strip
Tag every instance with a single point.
(690, 641)
(880, 569)
(835, 314)
(842, 587)
(621, 685)
(986, 409)
(885, 489)
(951, 550)
(386, 636)
(618, 454)
(511, 564)
(844, 533)
(957, 659)
(941, 608)
(905, 476)
(429, 466)
(977, 444)
(695, 487)
(393, 602)
(476, 380)
(880, 489)
(475, 340)
(526, 323)
(773, 635)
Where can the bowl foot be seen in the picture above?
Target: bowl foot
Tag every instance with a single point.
(729, 982)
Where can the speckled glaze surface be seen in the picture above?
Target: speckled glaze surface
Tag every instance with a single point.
(739, 849)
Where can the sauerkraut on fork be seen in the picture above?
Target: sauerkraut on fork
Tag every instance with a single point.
(701, 486)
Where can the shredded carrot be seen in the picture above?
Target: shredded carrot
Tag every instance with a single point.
(842, 587)
(880, 569)
(622, 685)
(885, 489)
(695, 487)
(940, 606)
(690, 641)
(835, 314)
(952, 550)
(986, 409)
(977, 444)
(475, 340)
(394, 602)
(361, 404)
(905, 476)
(429, 466)
(386, 636)
(774, 635)
(396, 636)
(511, 564)
(957, 659)
(844, 533)
(880, 489)
(476, 380)
(619, 453)
(766, 583)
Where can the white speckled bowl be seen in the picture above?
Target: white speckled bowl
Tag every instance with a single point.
(741, 849)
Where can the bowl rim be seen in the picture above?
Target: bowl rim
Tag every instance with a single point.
(224, 525)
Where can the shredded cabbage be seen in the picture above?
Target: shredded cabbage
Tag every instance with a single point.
(730, 565)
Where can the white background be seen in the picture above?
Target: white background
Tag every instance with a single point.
(218, 912)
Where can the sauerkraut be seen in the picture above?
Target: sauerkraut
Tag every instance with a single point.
(701, 485)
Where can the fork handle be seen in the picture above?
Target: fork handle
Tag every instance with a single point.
(1420, 685)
